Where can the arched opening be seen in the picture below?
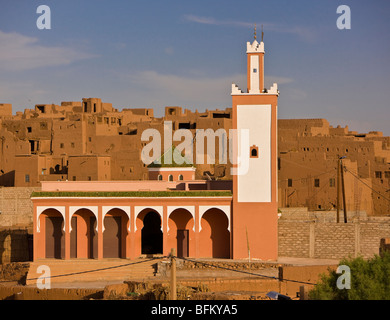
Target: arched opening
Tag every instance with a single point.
(160, 177)
(115, 234)
(215, 236)
(254, 152)
(180, 177)
(83, 236)
(181, 224)
(54, 234)
(151, 234)
(170, 177)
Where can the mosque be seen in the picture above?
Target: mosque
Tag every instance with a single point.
(233, 219)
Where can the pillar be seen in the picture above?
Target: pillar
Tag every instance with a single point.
(100, 232)
(67, 233)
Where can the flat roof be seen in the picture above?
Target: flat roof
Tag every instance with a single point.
(131, 194)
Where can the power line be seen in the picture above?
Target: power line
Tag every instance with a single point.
(88, 271)
(366, 184)
(158, 258)
(246, 272)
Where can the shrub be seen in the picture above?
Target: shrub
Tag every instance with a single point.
(370, 280)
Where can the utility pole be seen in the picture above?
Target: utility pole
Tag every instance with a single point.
(173, 274)
(343, 187)
(338, 189)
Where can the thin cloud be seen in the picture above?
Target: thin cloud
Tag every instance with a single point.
(302, 32)
(20, 52)
(186, 90)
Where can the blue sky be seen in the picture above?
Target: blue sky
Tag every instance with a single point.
(187, 53)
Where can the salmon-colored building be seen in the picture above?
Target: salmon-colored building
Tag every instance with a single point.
(222, 219)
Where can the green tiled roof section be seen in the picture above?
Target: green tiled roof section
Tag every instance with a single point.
(131, 194)
(160, 162)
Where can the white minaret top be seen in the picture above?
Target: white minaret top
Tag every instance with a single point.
(255, 47)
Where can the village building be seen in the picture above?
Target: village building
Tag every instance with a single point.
(103, 217)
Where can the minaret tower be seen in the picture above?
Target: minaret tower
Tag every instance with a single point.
(255, 209)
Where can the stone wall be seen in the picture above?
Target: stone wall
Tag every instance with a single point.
(305, 236)
(16, 208)
(15, 245)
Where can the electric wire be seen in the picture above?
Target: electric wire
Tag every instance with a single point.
(160, 258)
(366, 184)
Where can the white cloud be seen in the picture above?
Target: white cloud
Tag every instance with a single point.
(19, 52)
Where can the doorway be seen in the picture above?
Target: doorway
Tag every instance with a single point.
(151, 234)
(55, 240)
(112, 237)
(183, 243)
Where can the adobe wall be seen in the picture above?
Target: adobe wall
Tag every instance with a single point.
(331, 240)
(16, 206)
(15, 245)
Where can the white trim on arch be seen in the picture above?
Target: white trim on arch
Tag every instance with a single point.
(40, 209)
(204, 209)
(126, 209)
(190, 209)
(138, 209)
(73, 209)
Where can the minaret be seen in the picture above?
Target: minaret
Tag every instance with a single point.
(255, 207)
(255, 72)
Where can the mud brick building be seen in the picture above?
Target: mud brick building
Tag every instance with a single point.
(309, 150)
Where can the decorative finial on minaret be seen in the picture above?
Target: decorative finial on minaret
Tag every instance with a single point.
(262, 33)
(255, 32)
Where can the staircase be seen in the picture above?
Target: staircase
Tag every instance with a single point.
(89, 270)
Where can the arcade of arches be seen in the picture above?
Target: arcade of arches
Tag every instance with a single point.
(90, 231)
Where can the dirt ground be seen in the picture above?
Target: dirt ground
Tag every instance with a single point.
(193, 284)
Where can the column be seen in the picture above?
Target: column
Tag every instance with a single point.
(131, 237)
(100, 232)
(67, 233)
(164, 222)
(196, 221)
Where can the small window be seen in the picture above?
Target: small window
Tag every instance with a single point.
(317, 183)
(254, 70)
(29, 129)
(61, 145)
(72, 144)
(254, 152)
(387, 174)
(159, 178)
(170, 177)
(332, 182)
(27, 178)
(89, 178)
(378, 174)
(180, 177)
(289, 182)
(74, 178)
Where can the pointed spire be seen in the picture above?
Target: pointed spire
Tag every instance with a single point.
(255, 32)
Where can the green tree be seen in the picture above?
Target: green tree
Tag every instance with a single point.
(369, 279)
